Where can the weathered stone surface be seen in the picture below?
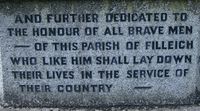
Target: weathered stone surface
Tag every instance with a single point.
(146, 54)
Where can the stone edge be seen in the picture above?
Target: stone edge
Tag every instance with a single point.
(1, 78)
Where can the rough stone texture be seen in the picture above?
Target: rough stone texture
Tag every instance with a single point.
(165, 90)
(144, 108)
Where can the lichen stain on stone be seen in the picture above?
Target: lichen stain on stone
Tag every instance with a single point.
(178, 6)
(105, 5)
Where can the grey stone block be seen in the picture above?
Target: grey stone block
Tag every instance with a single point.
(99, 53)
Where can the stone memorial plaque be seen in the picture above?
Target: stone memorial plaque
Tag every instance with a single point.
(99, 53)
